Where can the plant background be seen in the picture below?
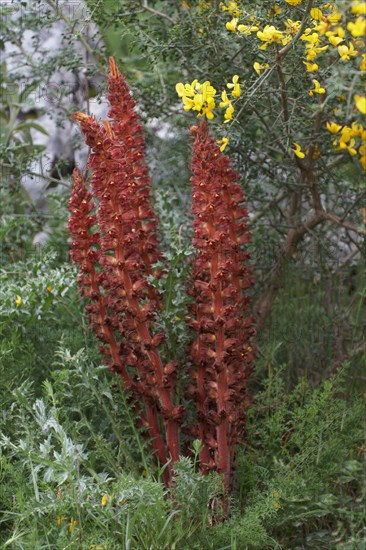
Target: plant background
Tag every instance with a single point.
(67, 434)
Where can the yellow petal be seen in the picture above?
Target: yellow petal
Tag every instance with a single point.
(316, 13)
(359, 8)
(360, 101)
(180, 89)
(297, 151)
(333, 127)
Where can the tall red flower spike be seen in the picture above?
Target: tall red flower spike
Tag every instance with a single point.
(221, 353)
(115, 244)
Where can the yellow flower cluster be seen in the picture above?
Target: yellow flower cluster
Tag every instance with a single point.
(341, 34)
(232, 8)
(201, 98)
(350, 138)
(198, 97)
(327, 31)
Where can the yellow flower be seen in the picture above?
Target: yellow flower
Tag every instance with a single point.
(270, 34)
(223, 142)
(292, 26)
(197, 97)
(363, 161)
(208, 91)
(313, 38)
(247, 29)
(335, 40)
(346, 52)
(49, 289)
(348, 146)
(322, 27)
(359, 8)
(234, 86)
(297, 151)
(258, 67)
(357, 28)
(312, 51)
(346, 134)
(337, 32)
(294, 2)
(225, 101)
(340, 31)
(229, 114)
(195, 104)
(286, 39)
(356, 129)
(187, 89)
(18, 301)
(335, 16)
(105, 499)
(231, 25)
(317, 88)
(333, 127)
(311, 67)
(316, 13)
(59, 521)
(207, 109)
(360, 101)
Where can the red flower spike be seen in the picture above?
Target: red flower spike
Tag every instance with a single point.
(221, 350)
(86, 256)
(128, 249)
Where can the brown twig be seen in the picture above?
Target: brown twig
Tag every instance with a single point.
(157, 13)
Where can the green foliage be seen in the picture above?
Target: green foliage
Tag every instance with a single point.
(60, 456)
(72, 459)
(302, 444)
(317, 320)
